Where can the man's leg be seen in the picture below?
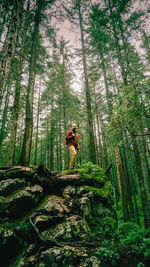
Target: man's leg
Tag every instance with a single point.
(72, 156)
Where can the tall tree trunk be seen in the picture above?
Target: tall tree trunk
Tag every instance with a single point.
(9, 48)
(64, 108)
(122, 185)
(3, 131)
(60, 147)
(37, 128)
(145, 146)
(144, 199)
(101, 152)
(41, 150)
(128, 182)
(87, 90)
(99, 145)
(109, 103)
(15, 112)
(16, 105)
(47, 139)
(52, 135)
(26, 148)
(96, 144)
(105, 156)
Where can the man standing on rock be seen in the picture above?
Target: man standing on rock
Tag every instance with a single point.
(71, 140)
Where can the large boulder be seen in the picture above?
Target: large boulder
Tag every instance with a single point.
(20, 201)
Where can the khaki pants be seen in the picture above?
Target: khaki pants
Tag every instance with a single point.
(72, 156)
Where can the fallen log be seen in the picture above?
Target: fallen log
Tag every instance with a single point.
(16, 172)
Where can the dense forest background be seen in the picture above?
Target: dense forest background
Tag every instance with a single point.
(100, 82)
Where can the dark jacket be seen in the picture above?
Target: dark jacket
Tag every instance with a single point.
(72, 140)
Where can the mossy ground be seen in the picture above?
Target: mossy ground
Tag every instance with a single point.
(88, 170)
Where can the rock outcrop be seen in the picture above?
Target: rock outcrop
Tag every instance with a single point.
(49, 219)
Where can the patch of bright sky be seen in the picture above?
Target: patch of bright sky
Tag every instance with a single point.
(73, 37)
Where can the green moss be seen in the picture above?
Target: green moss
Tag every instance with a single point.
(24, 172)
(17, 224)
(88, 170)
(65, 172)
(102, 192)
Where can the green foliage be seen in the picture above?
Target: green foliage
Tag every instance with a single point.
(146, 248)
(93, 170)
(108, 254)
(136, 239)
(109, 222)
(130, 233)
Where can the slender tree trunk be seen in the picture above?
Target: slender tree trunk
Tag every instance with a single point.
(104, 144)
(37, 128)
(16, 105)
(109, 103)
(96, 145)
(26, 148)
(57, 153)
(41, 150)
(134, 188)
(128, 182)
(144, 199)
(136, 210)
(52, 134)
(145, 146)
(101, 152)
(99, 146)
(122, 185)
(15, 112)
(3, 130)
(64, 108)
(87, 90)
(47, 140)
(60, 147)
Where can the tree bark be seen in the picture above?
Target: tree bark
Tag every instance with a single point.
(10, 45)
(144, 199)
(26, 148)
(122, 185)
(109, 103)
(64, 108)
(37, 128)
(16, 105)
(87, 90)
(3, 130)
(128, 182)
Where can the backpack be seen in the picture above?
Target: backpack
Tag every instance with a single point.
(66, 138)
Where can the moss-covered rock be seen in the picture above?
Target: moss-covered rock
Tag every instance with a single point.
(63, 220)
(9, 185)
(20, 201)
